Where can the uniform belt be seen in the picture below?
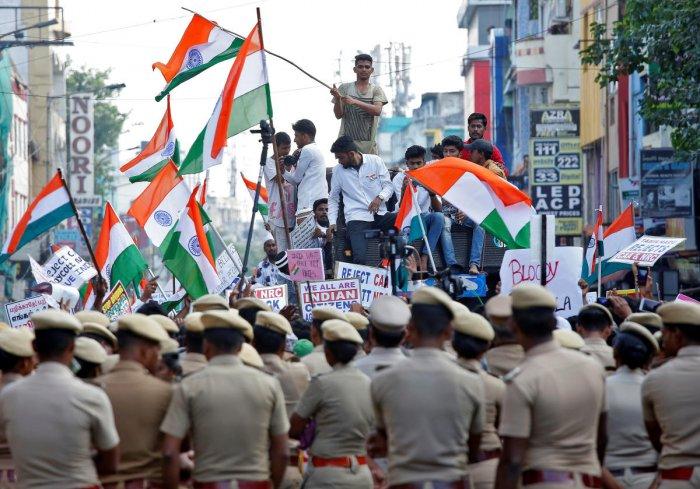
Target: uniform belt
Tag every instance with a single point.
(543, 476)
(677, 473)
(484, 455)
(458, 484)
(633, 470)
(345, 462)
(227, 485)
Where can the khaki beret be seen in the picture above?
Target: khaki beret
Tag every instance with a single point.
(250, 356)
(648, 319)
(434, 297)
(658, 336)
(210, 302)
(4, 325)
(17, 342)
(474, 325)
(166, 323)
(324, 313)
(569, 339)
(273, 321)
(389, 314)
(90, 316)
(143, 326)
(193, 322)
(679, 312)
(55, 319)
(338, 330)
(460, 308)
(251, 303)
(528, 295)
(109, 364)
(358, 321)
(100, 330)
(600, 307)
(227, 319)
(169, 345)
(89, 350)
(641, 332)
(498, 306)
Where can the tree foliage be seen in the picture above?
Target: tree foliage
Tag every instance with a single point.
(662, 38)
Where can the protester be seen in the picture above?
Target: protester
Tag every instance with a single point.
(476, 125)
(320, 235)
(436, 152)
(481, 154)
(266, 273)
(358, 105)
(275, 219)
(309, 174)
(363, 181)
(595, 324)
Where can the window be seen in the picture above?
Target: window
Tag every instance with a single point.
(613, 196)
(534, 9)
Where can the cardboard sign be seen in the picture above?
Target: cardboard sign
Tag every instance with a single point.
(116, 304)
(685, 298)
(646, 250)
(562, 273)
(302, 234)
(373, 281)
(306, 265)
(18, 312)
(66, 267)
(331, 293)
(226, 269)
(275, 296)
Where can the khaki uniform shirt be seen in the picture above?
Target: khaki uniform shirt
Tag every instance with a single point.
(316, 361)
(287, 377)
(628, 443)
(339, 402)
(599, 349)
(671, 396)
(554, 399)
(139, 401)
(494, 390)
(231, 411)
(428, 406)
(5, 455)
(52, 421)
(379, 359)
(192, 362)
(502, 359)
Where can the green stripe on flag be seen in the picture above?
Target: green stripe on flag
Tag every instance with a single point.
(180, 262)
(249, 109)
(494, 224)
(45, 223)
(263, 209)
(128, 266)
(149, 174)
(194, 161)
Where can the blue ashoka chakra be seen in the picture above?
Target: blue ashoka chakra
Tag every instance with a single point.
(193, 246)
(163, 218)
(169, 149)
(194, 59)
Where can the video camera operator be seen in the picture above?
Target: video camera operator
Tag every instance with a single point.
(309, 175)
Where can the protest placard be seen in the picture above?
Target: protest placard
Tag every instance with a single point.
(227, 269)
(116, 304)
(66, 267)
(305, 265)
(471, 285)
(274, 296)
(646, 250)
(373, 281)
(18, 312)
(685, 298)
(563, 269)
(302, 234)
(331, 293)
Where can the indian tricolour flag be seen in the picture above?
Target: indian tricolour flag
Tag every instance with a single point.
(187, 251)
(263, 201)
(162, 147)
(116, 255)
(489, 200)
(244, 102)
(203, 45)
(50, 207)
(407, 219)
(617, 236)
(595, 246)
(159, 205)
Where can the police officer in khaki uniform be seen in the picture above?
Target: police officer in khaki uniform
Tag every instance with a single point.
(649, 320)
(505, 353)
(193, 360)
(235, 414)
(361, 324)
(553, 409)
(429, 411)
(210, 302)
(670, 397)
(170, 326)
(90, 316)
(248, 308)
(471, 339)
(568, 339)
(101, 334)
(139, 401)
(52, 420)
(339, 403)
(316, 360)
(90, 355)
(595, 324)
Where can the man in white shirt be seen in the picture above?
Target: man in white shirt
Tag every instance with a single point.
(310, 173)
(364, 182)
(275, 219)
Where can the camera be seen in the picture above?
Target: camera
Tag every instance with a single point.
(290, 160)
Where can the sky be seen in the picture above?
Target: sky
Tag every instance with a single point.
(128, 36)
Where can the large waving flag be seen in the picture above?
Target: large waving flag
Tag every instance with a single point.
(263, 201)
(617, 236)
(187, 252)
(159, 205)
(595, 247)
(489, 200)
(50, 207)
(162, 147)
(408, 215)
(116, 255)
(203, 45)
(244, 102)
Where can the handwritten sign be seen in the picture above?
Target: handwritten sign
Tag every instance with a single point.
(66, 267)
(306, 265)
(19, 312)
(562, 271)
(302, 234)
(331, 293)
(646, 250)
(116, 304)
(373, 281)
(227, 269)
(275, 296)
